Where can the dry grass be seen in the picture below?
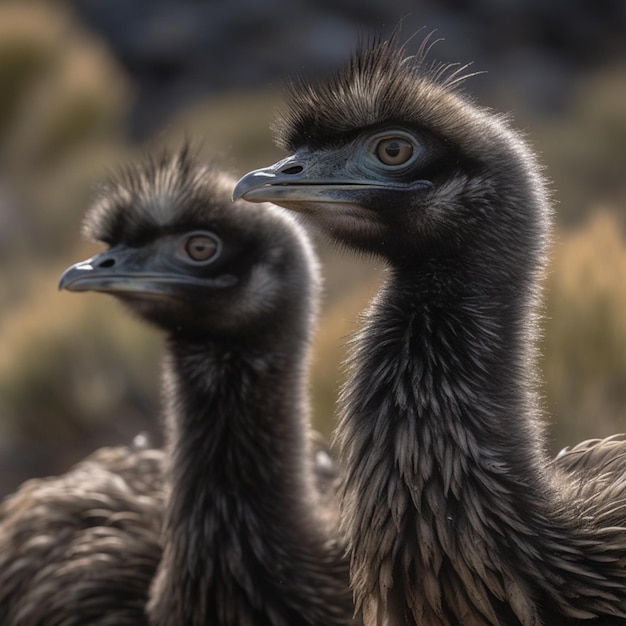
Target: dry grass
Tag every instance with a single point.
(585, 331)
(338, 324)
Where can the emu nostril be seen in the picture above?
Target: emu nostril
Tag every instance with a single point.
(294, 169)
(107, 263)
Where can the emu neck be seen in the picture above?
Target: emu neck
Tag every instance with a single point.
(446, 486)
(457, 357)
(237, 426)
(236, 538)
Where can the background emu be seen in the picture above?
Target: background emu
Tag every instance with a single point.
(454, 512)
(245, 541)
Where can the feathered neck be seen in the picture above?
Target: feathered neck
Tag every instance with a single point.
(241, 542)
(453, 514)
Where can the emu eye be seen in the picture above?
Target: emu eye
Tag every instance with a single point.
(394, 150)
(200, 247)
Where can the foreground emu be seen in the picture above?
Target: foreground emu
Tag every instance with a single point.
(455, 515)
(244, 542)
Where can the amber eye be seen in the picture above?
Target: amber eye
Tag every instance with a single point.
(394, 150)
(201, 248)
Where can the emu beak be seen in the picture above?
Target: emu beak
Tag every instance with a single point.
(314, 179)
(118, 271)
(296, 179)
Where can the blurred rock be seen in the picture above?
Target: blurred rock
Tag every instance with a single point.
(176, 50)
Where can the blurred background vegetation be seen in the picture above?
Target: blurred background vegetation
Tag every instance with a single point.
(86, 85)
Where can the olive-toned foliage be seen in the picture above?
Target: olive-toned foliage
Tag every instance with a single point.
(72, 364)
(29, 40)
(59, 87)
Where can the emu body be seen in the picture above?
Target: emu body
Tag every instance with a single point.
(232, 529)
(455, 514)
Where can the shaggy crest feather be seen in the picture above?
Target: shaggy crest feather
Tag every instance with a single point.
(379, 84)
(172, 190)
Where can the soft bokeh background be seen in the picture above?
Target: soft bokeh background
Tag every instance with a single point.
(85, 85)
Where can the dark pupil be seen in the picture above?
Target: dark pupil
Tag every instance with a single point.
(393, 149)
(200, 249)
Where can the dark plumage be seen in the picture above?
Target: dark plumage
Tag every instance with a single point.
(83, 548)
(247, 539)
(455, 514)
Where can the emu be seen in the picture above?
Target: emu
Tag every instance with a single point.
(228, 525)
(454, 513)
